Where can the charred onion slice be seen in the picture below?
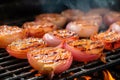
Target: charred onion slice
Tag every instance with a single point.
(110, 39)
(38, 29)
(50, 60)
(85, 50)
(96, 19)
(100, 11)
(111, 17)
(115, 27)
(83, 28)
(56, 37)
(55, 18)
(9, 34)
(72, 14)
(20, 47)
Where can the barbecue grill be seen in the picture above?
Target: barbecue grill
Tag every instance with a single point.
(17, 12)
(14, 69)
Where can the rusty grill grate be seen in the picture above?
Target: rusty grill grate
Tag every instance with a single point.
(16, 69)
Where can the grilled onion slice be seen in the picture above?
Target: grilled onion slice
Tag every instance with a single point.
(55, 18)
(20, 47)
(56, 37)
(50, 60)
(115, 27)
(83, 27)
(38, 29)
(100, 11)
(93, 18)
(9, 34)
(72, 14)
(111, 39)
(85, 50)
(111, 17)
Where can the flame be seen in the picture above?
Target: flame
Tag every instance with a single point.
(87, 77)
(107, 75)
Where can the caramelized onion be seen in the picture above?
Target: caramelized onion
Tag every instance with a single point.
(20, 47)
(115, 27)
(111, 17)
(111, 39)
(38, 29)
(100, 11)
(85, 50)
(9, 34)
(92, 18)
(72, 14)
(55, 18)
(83, 28)
(50, 60)
(56, 37)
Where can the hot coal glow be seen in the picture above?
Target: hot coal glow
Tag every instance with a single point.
(87, 77)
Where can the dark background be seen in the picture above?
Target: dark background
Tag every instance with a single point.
(13, 10)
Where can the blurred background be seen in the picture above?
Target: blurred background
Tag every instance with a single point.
(11, 10)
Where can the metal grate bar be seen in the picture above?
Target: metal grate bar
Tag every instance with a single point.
(88, 71)
(14, 71)
(14, 66)
(9, 62)
(5, 58)
(20, 69)
(20, 76)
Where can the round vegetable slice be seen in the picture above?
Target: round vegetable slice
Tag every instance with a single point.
(50, 60)
(56, 37)
(85, 50)
(20, 48)
(9, 34)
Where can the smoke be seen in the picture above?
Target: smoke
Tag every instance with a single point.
(51, 5)
(86, 5)
(77, 4)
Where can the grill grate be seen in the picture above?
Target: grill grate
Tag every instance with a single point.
(14, 69)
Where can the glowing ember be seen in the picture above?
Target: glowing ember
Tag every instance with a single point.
(32, 70)
(71, 73)
(87, 77)
(107, 75)
(38, 74)
(75, 79)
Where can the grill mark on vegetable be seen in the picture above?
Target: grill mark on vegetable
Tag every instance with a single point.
(64, 34)
(111, 36)
(35, 44)
(49, 54)
(52, 61)
(82, 46)
(27, 47)
(55, 55)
